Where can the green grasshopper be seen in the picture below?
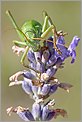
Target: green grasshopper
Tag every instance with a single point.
(33, 34)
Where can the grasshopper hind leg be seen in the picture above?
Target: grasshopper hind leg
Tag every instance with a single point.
(47, 20)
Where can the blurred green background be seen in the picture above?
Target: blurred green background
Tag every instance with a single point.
(66, 16)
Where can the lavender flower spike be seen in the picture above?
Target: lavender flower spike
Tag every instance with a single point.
(45, 58)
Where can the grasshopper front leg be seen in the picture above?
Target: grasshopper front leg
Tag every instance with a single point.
(18, 48)
(19, 44)
(24, 55)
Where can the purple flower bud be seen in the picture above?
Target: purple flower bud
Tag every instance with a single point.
(31, 56)
(51, 71)
(51, 60)
(22, 115)
(72, 47)
(45, 89)
(29, 75)
(74, 43)
(36, 111)
(73, 55)
(45, 112)
(45, 56)
(51, 115)
(40, 66)
(27, 86)
(53, 88)
(61, 40)
(58, 62)
(65, 52)
(35, 90)
(26, 115)
(33, 65)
